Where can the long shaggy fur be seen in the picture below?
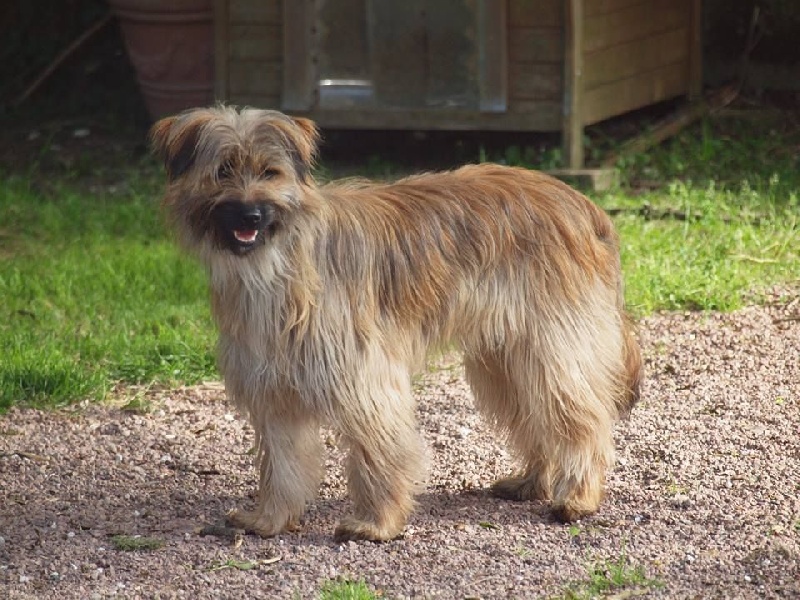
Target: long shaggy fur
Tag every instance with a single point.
(325, 320)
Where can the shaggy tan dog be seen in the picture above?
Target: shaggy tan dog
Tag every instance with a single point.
(328, 297)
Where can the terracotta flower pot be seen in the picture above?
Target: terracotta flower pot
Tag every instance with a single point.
(171, 46)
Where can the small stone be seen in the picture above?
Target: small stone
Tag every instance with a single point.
(681, 501)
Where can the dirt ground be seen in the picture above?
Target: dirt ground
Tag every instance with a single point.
(705, 496)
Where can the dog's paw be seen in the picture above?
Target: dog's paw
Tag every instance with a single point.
(568, 514)
(253, 521)
(350, 528)
(518, 489)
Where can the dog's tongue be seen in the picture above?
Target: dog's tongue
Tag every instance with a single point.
(245, 235)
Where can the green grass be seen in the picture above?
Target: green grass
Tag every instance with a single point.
(732, 241)
(94, 294)
(738, 185)
(344, 589)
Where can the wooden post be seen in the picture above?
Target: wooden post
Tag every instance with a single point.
(298, 70)
(221, 50)
(696, 50)
(493, 56)
(572, 124)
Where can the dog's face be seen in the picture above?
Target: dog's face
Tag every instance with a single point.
(235, 177)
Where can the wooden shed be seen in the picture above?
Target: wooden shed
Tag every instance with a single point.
(515, 65)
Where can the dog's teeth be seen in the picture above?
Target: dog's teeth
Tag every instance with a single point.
(246, 236)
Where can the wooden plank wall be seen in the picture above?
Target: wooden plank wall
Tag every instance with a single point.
(535, 61)
(255, 48)
(636, 52)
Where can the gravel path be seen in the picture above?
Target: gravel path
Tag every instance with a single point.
(705, 496)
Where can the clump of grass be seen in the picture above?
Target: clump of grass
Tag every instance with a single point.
(610, 576)
(136, 543)
(345, 589)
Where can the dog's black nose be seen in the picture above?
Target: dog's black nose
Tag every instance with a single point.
(252, 216)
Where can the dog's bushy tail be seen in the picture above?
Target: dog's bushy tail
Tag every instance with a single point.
(632, 360)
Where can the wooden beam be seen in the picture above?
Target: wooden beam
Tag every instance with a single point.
(221, 50)
(298, 70)
(493, 56)
(538, 13)
(252, 12)
(572, 128)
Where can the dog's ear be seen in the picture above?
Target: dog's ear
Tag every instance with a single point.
(301, 139)
(174, 140)
(310, 144)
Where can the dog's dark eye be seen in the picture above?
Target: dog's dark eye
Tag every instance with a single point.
(269, 173)
(225, 171)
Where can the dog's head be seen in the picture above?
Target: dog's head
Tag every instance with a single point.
(235, 178)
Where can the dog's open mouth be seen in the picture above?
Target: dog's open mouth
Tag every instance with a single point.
(243, 226)
(246, 236)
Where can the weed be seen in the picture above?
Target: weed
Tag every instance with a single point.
(610, 576)
(231, 563)
(345, 589)
(523, 552)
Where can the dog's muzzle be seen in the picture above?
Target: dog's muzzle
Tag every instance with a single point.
(243, 225)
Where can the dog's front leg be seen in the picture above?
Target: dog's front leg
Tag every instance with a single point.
(289, 463)
(385, 463)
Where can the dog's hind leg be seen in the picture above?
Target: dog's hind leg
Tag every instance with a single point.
(570, 381)
(385, 462)
(497, 397)
(289, 462)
